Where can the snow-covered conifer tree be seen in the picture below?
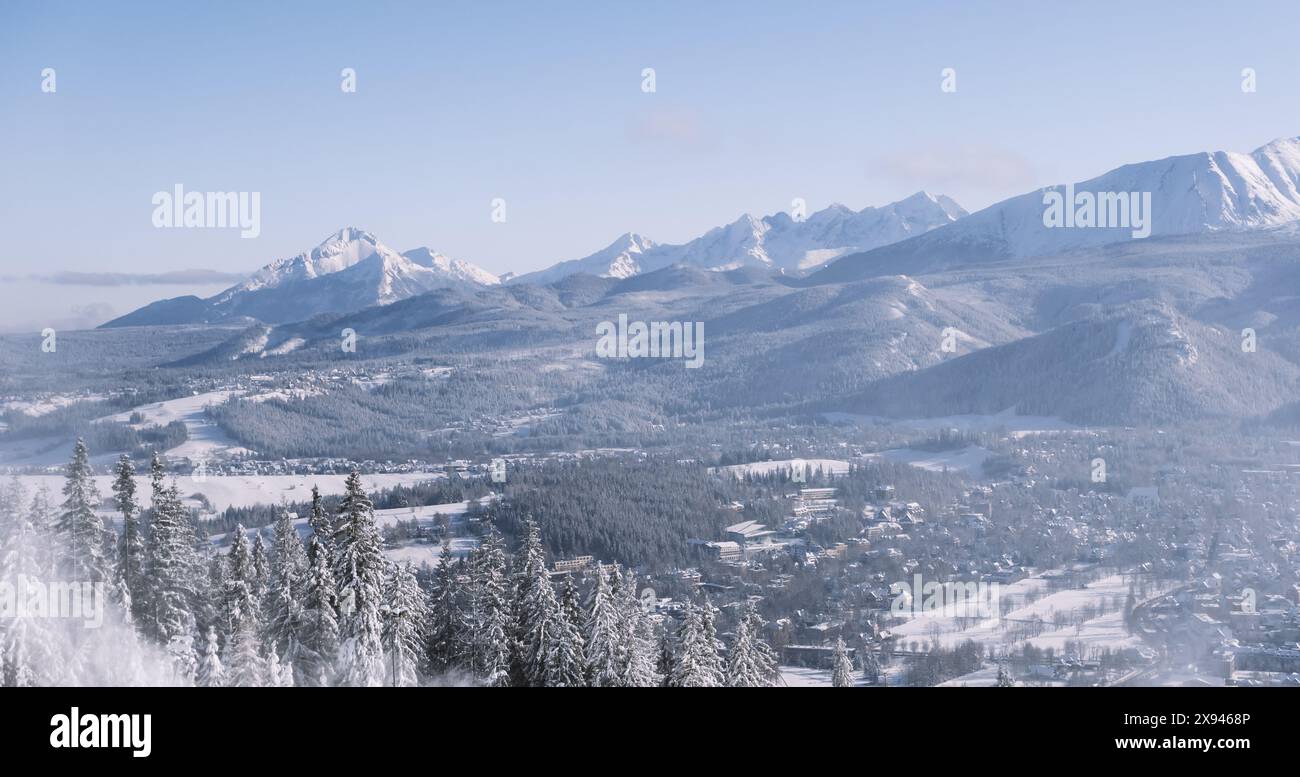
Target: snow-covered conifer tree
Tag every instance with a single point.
(211, 673)
(130, 545)
(567, 666)
(694, 655)
(322, 526)
(169, 565)
(30, 651)
(284, 610)
(446, 629)
(544, 652)
(359, 570)
(638, 655)
(320, 628)
(406, 613)
(710, 645)
(765, 659)
(841, 666)
(490, 638)
(81, 532)
(242, 616)
(603, 635)
(743, 670)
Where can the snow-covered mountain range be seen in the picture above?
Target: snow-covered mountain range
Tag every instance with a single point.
(349, 270)
(1213, 191)
(352, 270)
(778, 242)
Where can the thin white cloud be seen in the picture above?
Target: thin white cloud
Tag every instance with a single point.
(675, 126)
(967, 172)
(174, 278)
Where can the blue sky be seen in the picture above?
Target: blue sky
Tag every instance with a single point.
(541, 104)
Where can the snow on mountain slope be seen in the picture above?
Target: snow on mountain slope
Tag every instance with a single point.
(837, 230)
(619, 259)
(337, 252)
(1146, 363)
(350, 270)
(834, 340)
(451, 268)
(1190, 194)
(776, 242)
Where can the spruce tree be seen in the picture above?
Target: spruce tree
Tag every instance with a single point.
(566, 667)
(446, 630)
(130, 546)
(870, 666)
(359, 570)
(211, 673)
(320, 627)
(666, 659)
(765, 659)
(240, 604)
(322, 528)
(45, 525)
(743, 670)
(841, 666)
(545, 651)
(81, 532)
(244, 659)
(245, 666)
(261, 577)
(490, 637)
(30, 650)
(405, 614)
(709, 644)
(574, 614)
(288, 578)
(694, 656)
(169, 565)
(603, 635)
(638, 655)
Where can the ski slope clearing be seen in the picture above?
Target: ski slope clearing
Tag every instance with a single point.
(206, 440)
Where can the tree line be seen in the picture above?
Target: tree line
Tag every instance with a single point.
(272, 610)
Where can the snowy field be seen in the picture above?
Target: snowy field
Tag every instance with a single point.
(1008, 421)
(421, 553)
(980, 678)
(206, 440)
(429, 553)
(39, 407)
(969, 460)
(45, 452)
(803, 677)
(1105, 629)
